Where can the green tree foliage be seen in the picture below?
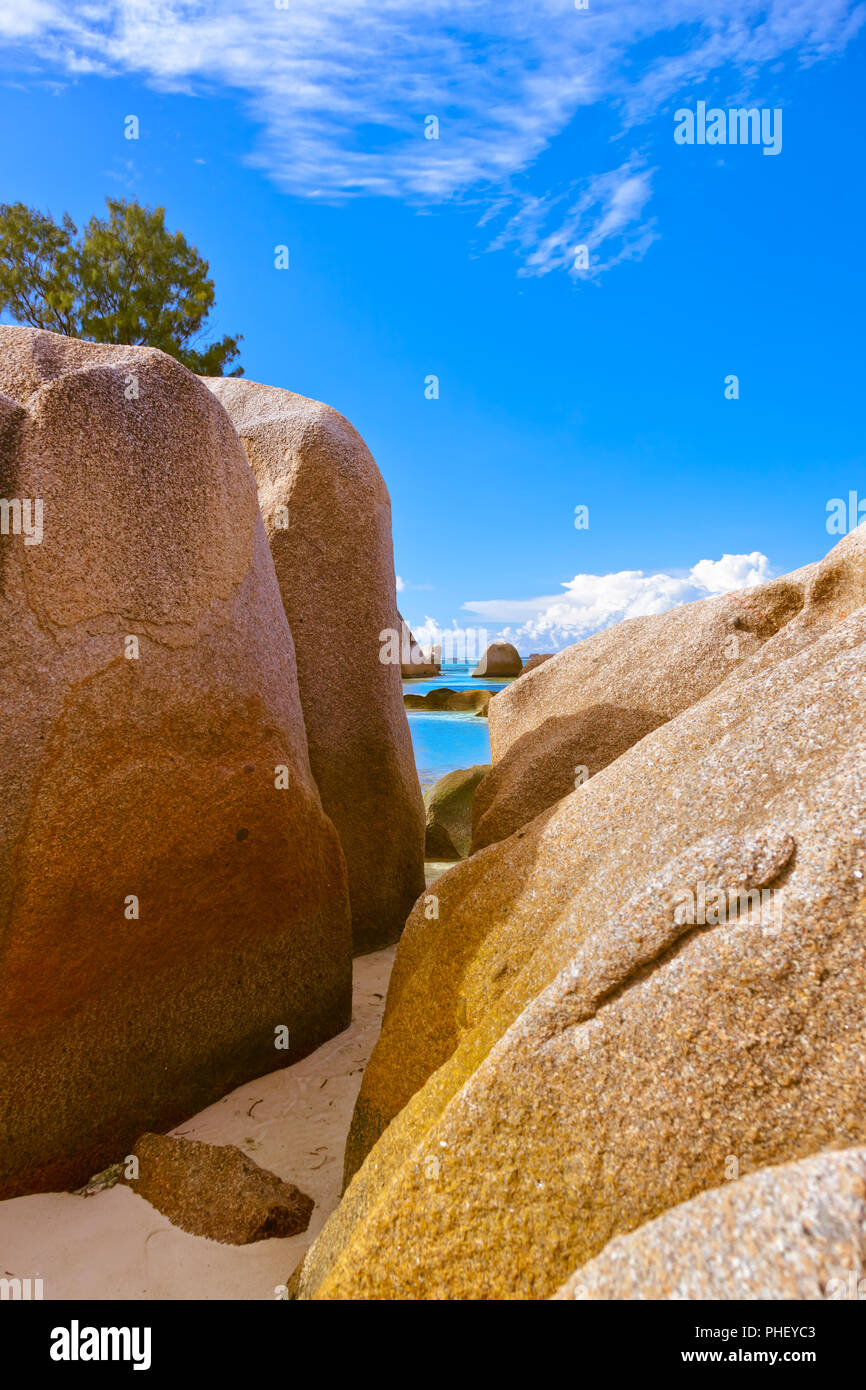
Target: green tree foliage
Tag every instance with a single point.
(124, 279)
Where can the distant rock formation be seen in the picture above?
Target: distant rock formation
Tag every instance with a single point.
(216, 1191)
(664, 969)
(449, 812)
(536, 659)
(173, 904)
(452, 701)
(500, 659)
(328, 518)
(416, 663)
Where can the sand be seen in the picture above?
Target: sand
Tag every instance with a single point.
(435, 868)
(115, 1245)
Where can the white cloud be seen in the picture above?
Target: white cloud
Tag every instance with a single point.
(731, 572)
(604, 215)
(19, 21)
(595, 601)
(400, 585)
(340, 88)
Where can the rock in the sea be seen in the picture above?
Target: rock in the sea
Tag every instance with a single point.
(548, 763)
(415, 662)
(328, 518)
(500, 659)
(666, 970)
(797, 1231)
(215, 1190)
(173, 904)
(449, 812)
(536, 659)
(452, 701)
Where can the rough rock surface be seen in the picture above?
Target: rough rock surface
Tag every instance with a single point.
(163, 906)
(548, 763)
(328, 517)
(500, 659)
(562, 1059)
(797, 1231)
(449, 812)
(215, 1190)
(453, 701)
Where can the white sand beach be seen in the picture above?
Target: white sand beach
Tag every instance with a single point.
(115, 1245)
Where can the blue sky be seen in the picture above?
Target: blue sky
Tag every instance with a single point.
(559, 386)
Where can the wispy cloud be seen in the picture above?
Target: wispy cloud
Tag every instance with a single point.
(604, 219)
(595, 601)
(340, 89)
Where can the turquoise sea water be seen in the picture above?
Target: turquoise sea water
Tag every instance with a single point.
(443, 742)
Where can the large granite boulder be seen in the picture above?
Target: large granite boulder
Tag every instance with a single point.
(449, 812)
(797, 1231)
(173, 903)
(328, 517)
(658, 665)
(582, 1037)
(500, 659)
(595, 699)
(548, 763)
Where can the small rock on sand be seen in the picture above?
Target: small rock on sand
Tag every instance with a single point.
(215, 1190)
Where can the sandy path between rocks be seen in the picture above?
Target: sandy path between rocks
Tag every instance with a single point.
(294, 1122)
